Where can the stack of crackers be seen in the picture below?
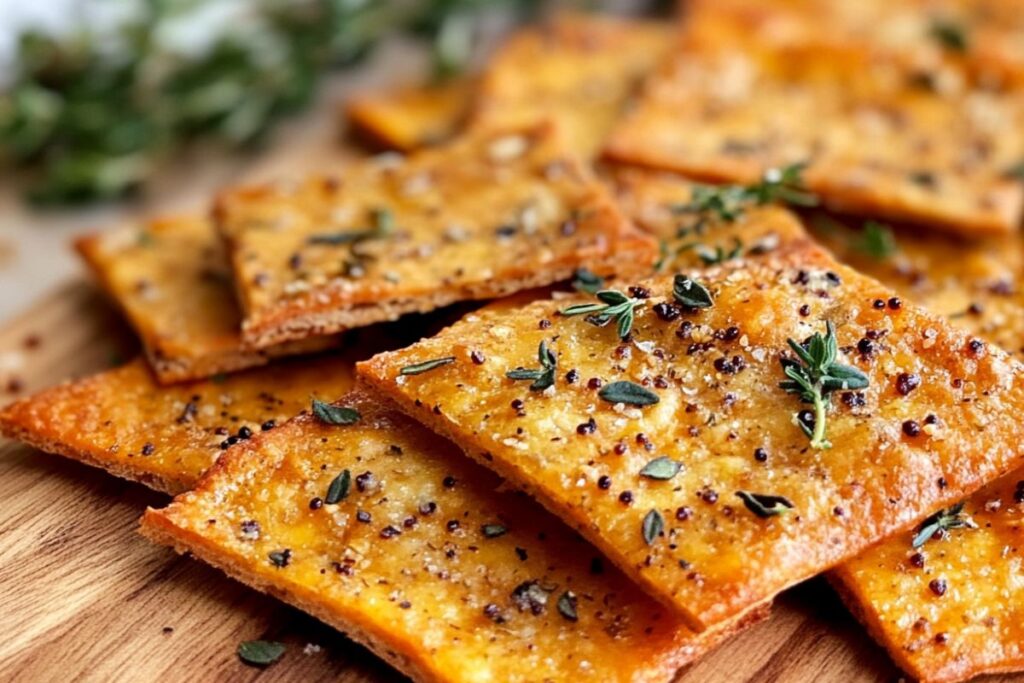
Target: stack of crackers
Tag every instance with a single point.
(623, 337)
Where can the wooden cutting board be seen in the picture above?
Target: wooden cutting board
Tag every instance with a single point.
(83, 597)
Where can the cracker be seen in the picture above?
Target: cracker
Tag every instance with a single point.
(580, 70)
(876, 143)
(976, 625)
(122, 421)
(411, 117)
(724, 421)
(976, 284)
(426, 560)
(663, 205)
(978, 37)
(493, 213)
(171, 279)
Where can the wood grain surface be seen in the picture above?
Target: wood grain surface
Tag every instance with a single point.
(83, 597)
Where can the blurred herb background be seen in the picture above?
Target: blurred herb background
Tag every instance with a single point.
(88, 115)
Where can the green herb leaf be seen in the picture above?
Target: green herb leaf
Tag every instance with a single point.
(815, 374)
(628, 392)
(763, 505)
(653, 525)
(585, 281)
(662, 468)
(339, 488)
(383, 226)
(493, 530)
(877, 241)
(567, 606)
(719, 254)
(615, 306)
(260, 652)
(280, 558)
(951, 518)
(728, 202)
(334, 415)
(542, 378)
(949, 34)
(691, 293)
(426, 366)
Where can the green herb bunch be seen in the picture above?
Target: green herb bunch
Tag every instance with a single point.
(814, 375)
(728, 202)
(90, 116)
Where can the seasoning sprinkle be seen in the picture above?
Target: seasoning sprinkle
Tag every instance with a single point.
(691, 293)
(728, 202)
(662, 468)
(382, 220)
(615, 306)
(763, 505)
(426, 366)
(586, 281)
(334, 415)
(629, 393)
(653, 525)
(567, 606)
(542, 378)
(814, 375)
(339, 488)
(260, 652)
(942, 521)
(493, 530)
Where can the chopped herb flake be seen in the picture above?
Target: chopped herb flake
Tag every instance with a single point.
(426, 366)
(943, 520)
(653, 525)
(616, 306)
(383, 225)
(543, 377)
(877, 241)
(585, 281)
(629, 393)
(662, 468)
(763, 505)
(691, 293)
(493, 530)
(260, 652)
(567, 606)
(334, 415)
(339, 487)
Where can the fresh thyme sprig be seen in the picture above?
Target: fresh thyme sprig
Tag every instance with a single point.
(382, 225)
(943, 520)
(728, 202)
(877, 241)
(543, 377)
(814, 375)
(616, 306)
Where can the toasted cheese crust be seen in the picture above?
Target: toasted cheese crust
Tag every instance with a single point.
(171, 279)
(411, 117)
(724, 421)
(579, 70)
(122, 421)
(976, 284)
(662, 204)
(490, 214)
(927, 34)
(876, 143)
(425, 559)
(974, 626)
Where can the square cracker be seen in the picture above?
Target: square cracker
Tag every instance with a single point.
(410, 117)
(663, 205)
(722, 418)
(425, 560)
(579, 70)
(875, 143)
(492, 213)
(974, 627)
(924, 33)
(171, 278)
(164, 437)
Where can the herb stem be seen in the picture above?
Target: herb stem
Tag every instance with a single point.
(820, 403)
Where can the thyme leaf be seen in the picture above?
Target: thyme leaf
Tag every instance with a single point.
(542, 378)
(567, 606)
(877, 241)
(339, 488)
(728, 202)
(814, 375)
(950, 518)
(383, 225)
(764, 505)
(652, 527)
(587, 282)
(691, 293)
(260, 652)
(334, 415)
(628, 392)
(426, 366)
(662, 468)
(614, 306)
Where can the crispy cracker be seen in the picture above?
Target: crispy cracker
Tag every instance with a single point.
(122, 421)
(976, 284)
(411, 117)
(426, 560)
(490, 214)
(663, 205)
(171, 279)
(925, 33)
(974, 627)
(716, 373)
(876, 143)
(580, 70)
